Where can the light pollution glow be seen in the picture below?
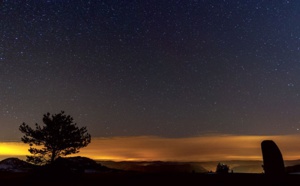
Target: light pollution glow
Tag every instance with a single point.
(148, 148)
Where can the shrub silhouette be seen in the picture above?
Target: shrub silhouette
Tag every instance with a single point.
(58, 137)
(222, 168)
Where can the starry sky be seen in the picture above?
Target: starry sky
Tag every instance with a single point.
(171, 68)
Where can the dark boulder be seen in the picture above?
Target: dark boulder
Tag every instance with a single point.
(272, 158)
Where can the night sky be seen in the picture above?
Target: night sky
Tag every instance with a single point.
(159, 68)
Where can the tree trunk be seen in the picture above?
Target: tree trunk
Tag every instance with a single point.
(53, 156)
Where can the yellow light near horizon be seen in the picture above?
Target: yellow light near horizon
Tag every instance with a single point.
(99, 157)
(151, 148)
(202, 148)
(13, 148)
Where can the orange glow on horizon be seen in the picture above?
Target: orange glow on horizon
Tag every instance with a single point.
(202, 148)
(13, 148)
(150, 148)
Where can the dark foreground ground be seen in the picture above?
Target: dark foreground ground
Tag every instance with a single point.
(144, 179)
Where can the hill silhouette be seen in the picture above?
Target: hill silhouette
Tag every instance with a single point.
(15, 165)
(156, 166)
(84, 171)
(61, 165)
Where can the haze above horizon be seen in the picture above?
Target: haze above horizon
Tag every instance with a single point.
(151, 148)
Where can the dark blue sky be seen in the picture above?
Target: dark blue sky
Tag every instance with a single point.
(165, 68)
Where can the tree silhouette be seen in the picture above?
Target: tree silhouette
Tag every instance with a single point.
(58, 137)
(222, 168)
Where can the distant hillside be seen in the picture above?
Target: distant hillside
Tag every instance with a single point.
(292, 166)
(15, 165)
(288, 163)
(155, 166)
(238, 166)
(76, 164)
(64, 165)
(87, 165)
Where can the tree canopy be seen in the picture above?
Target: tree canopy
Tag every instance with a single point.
(59, 136)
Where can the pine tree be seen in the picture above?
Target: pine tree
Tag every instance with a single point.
(59, 136)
